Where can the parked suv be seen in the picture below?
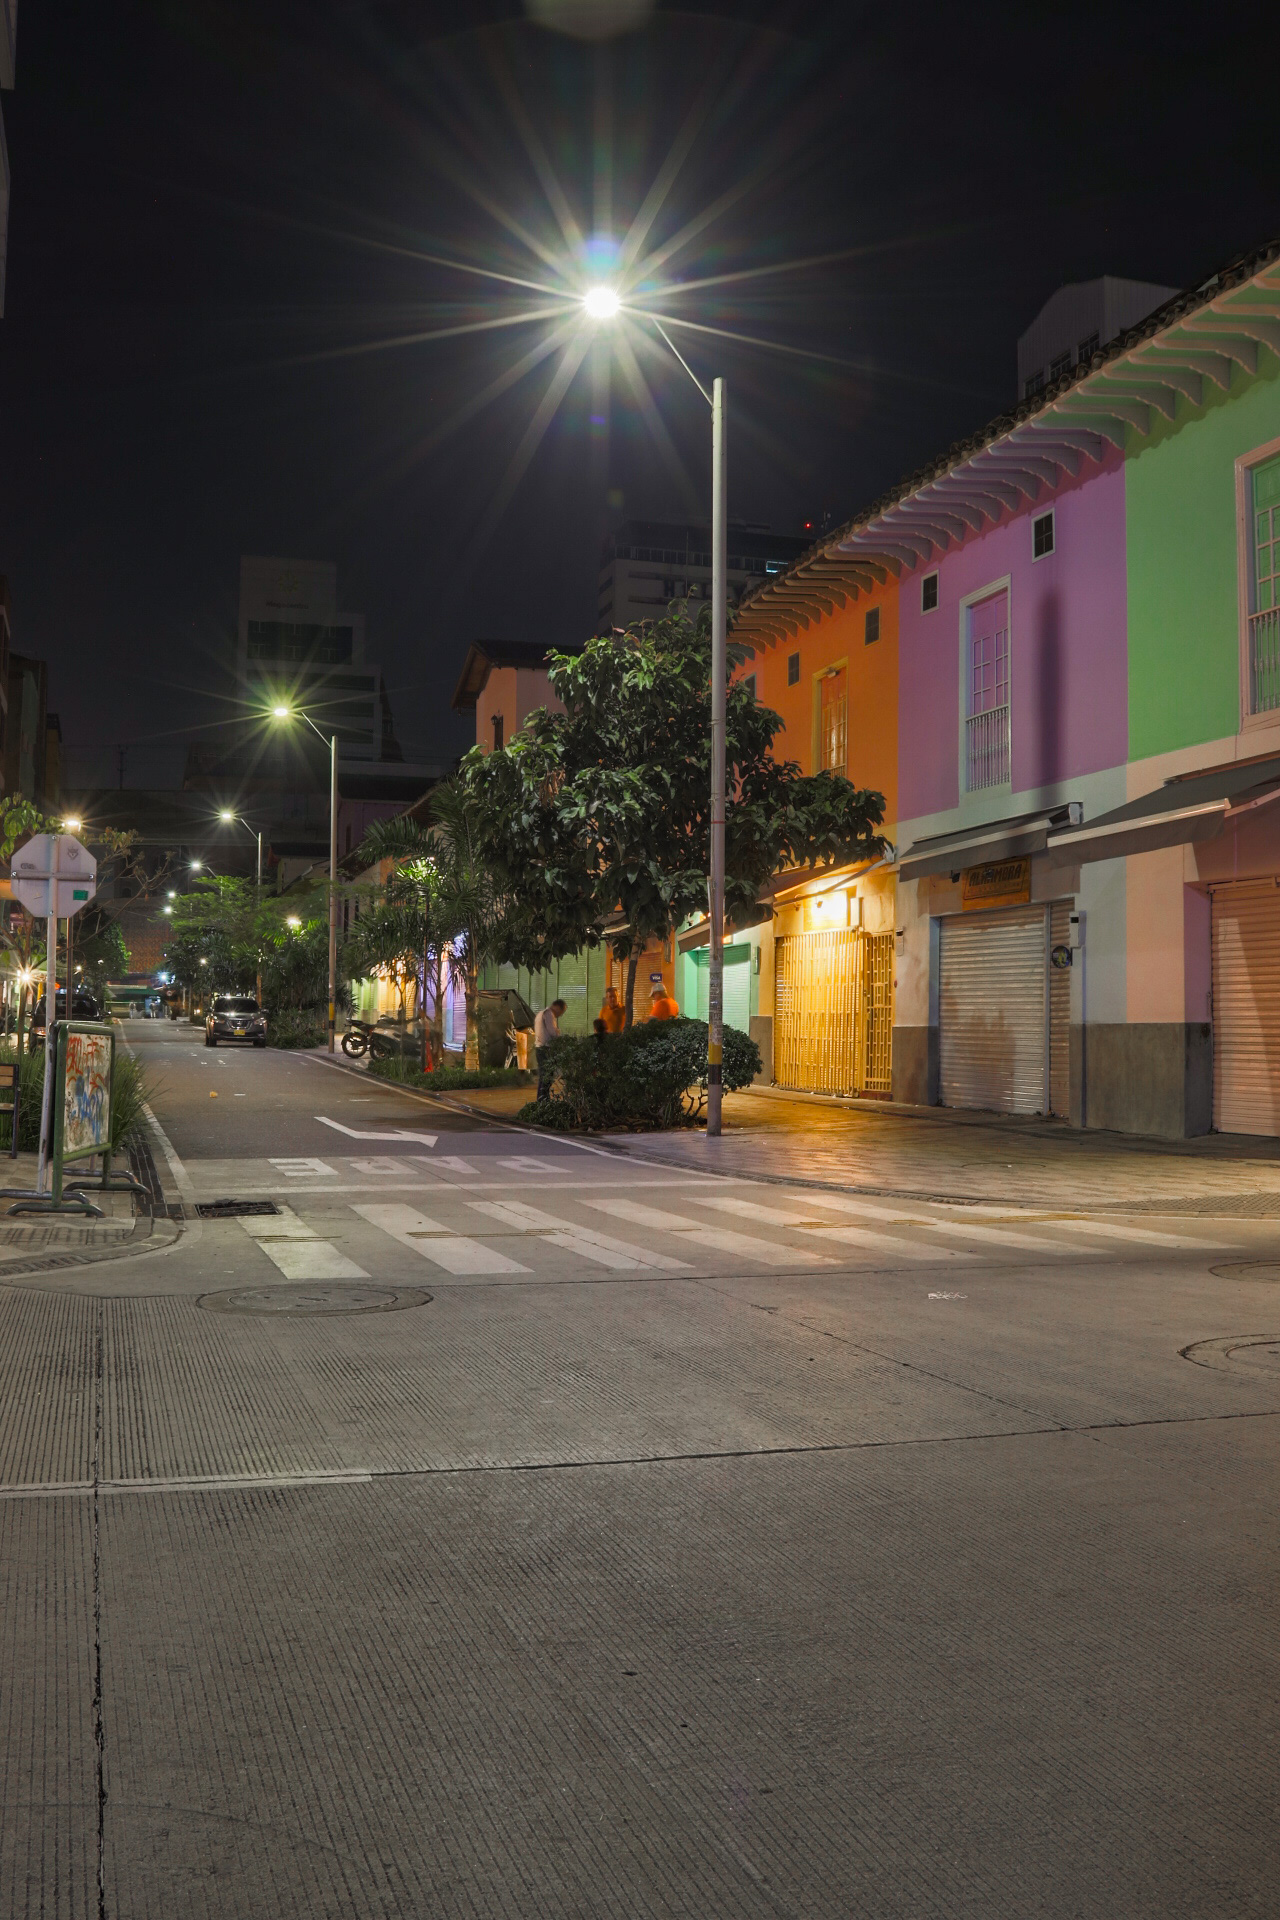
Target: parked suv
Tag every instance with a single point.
(235, 1017)
(83, 1007)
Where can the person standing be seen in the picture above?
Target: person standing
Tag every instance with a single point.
(662, 1006)
(546, 1028)
(613, 1015)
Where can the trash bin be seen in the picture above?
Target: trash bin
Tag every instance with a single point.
(524, 1046)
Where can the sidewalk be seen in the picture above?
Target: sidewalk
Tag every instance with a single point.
(971, 1157)
(25, 1237)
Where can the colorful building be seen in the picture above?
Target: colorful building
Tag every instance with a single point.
(1083, 604)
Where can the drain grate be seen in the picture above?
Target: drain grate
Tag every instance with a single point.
(234, 1209)
(315, 1299)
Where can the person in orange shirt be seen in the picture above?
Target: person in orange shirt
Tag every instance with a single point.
(613, 1015)
(662, 1006)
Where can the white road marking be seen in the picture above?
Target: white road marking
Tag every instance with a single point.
(1138, 1234)
(999, 1236)
(295, 1168)
(584, 1241)
(355, 1133)
(887, 1244)
(452, 1251)
(525, 1163)
(715, 1239)
(284, 1225)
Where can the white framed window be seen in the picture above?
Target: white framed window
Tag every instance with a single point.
(1258, 529)
(1043, 535)
(929, 592)
(985, 706)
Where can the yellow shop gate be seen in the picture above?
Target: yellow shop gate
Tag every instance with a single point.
(833, 1011)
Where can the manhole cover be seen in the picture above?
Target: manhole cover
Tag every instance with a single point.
(1238, 1353)
(315, 1299)
(234, 1209)
(1248, 1270)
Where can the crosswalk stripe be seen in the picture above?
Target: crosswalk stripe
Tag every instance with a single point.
(299, 1254)
(584, 1241)
(888, 1244)
(1113, 1231)
(998, 1236)
(714, 1239)
(453, 1252)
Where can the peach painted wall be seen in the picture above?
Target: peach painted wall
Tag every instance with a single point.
(513, 692)
(873, 690)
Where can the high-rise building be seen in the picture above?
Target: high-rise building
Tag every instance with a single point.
(8, 38)
(1078, 319)
(297, 647)
(646, 564)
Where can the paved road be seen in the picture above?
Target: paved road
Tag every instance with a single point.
(506, 1526)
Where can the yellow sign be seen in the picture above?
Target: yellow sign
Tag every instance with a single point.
(1001, 883)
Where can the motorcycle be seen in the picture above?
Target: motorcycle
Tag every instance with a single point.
(355, 1041)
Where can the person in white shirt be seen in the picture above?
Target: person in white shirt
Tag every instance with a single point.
(546, 1028)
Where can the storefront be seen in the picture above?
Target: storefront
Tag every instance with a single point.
(833, 985)
(1004, 1007)
(1245, 920)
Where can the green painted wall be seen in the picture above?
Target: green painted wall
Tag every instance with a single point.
(578, 980)
(1180, 515)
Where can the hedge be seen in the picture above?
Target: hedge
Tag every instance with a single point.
(652, 1076)
(407, 1073)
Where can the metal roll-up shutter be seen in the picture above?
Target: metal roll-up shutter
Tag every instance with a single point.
(993, 1039)
(1246, 1008)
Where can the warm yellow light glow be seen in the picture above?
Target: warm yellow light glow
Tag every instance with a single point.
(293, 921)
(203, 961)
(601, 303)
(280, 713)
(72, 826)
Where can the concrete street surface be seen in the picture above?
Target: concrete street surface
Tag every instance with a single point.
(859, 1516)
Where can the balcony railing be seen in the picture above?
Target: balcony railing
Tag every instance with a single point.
(1264, 660)
(988, 742)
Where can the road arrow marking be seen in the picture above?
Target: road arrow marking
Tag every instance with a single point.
(354, 1133)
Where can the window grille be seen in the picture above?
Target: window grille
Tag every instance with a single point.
(871, 629)
(1264, 613)
(929, 593)
(987, 727)
(793, 669)
(1033, 384)
(1060, 366)
(1086, 350)
(835, 723)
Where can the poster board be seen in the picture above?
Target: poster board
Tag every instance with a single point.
(82, 1091)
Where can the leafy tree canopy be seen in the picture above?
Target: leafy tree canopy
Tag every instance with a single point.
(607, 804)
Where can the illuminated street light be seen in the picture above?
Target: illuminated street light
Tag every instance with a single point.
(601, 303)
(196, 865)
(166, 909)
(288, 713)
(172, 894)
(203, 961)
(293, 921)
(72, 826)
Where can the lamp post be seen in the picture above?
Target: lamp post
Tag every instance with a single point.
(287, 713)
(601, 304)
(226, 815)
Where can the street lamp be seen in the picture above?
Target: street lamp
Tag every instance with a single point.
(288, 713)
(602, 303)
(72, 826)
(227, 816)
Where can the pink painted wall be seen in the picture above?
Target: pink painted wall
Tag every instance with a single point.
(1069, 668)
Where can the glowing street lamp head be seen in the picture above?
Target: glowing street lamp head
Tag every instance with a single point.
(225, 813)
(281, 713)
(293, 921)
(601, 303)
(72, 826)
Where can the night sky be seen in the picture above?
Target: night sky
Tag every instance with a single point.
(218, 213)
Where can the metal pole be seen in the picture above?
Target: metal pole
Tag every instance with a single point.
(333, 882)
(258, 904)
(719, 615)
(50, 1009)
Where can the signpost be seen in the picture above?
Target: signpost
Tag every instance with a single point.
(53, 877)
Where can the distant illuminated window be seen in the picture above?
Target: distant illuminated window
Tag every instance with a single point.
(929, 593)
(871, 627)
(793, 669)
(1042, 535)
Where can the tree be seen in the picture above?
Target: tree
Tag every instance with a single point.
(413, 894)
(606, 806)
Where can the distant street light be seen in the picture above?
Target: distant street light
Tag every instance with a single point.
(601, 303)
(196, 865)
(293, 921)
(72, 826)
(226, 814)
(203, 961)
(166, 909)
(289, 713)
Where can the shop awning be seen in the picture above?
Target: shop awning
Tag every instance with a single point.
(1010, 839)
(1188, 808)
(699, 934)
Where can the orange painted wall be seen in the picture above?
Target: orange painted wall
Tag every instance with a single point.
(873, 690)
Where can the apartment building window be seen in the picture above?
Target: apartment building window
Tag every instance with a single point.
(793, 669)
(871, 627)
(834, 721)
(750, 684)
(1086, 350)
(1042, 535)
(929, 593)
(1060, 366)
(987, 673)
(1264, 588)
(1033, 384)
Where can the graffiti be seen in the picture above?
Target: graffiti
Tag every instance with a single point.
(86, 1112)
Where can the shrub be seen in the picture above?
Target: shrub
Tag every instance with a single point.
(297, 1027)
(653, 1076)
(131, 1090)
(407, 1073)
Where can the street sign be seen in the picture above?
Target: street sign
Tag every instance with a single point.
(54, 876)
